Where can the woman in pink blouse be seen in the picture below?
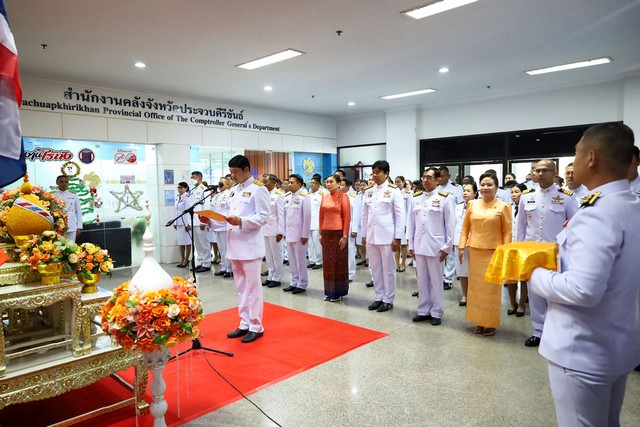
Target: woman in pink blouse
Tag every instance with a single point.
(335, 218)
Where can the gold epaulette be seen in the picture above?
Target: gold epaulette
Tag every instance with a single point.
(406, 190)
(566, 191)
(393, 186)
(258, 183)
(234, 185)
(366, 188)
(443, 193)
(455, 184)
(529, 190)
(303, 193)
(279, 192)
(589, 200)
(417, 193)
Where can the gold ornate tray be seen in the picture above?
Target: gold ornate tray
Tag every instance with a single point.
(13, 273)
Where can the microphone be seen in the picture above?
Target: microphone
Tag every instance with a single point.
(212, 188)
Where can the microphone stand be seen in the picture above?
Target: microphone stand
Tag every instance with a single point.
(195, 343)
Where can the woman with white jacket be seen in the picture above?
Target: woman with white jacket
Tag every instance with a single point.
(469, 192)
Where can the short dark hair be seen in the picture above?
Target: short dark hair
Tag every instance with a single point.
(197, 173)
(239, 161)
(401, 178)
(347, 181)
(436, 171)
(510, 184)
(522, 187)
(474, 186)
(337, 178)
(340, 171)
(183, 185)
(615, 141)
(61, 176)
(315, 179)
(317, 176)
(271, 177)
(493, 177)
(298, 178)
(471, 178)
(492, 172)
(636, 152)
(381, 165)
(444, 169)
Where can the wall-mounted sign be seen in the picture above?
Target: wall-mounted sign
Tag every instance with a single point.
(86, 155)
(48, 155)
(125, 157)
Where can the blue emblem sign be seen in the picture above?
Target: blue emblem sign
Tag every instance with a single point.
(86, 156)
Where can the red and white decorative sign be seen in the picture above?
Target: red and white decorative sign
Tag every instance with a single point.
(48, 155)
(125, 157)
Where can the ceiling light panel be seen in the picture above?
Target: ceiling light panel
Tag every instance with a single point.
(572, 66)
(271, 59)
(405, 94)
(436, 7)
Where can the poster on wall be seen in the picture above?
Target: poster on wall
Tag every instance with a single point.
(125, 157)
(168, 176)
(169, 197)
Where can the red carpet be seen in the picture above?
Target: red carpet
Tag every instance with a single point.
(293, 342)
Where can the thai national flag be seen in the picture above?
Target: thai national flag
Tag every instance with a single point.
(12, 161)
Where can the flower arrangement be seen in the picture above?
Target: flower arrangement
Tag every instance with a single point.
(92, 259)
(48, 248)
(156, 319)
(54, 205)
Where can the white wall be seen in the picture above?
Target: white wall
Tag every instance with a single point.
(602, 102)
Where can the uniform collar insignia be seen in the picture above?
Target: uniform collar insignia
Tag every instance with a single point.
(590, 199)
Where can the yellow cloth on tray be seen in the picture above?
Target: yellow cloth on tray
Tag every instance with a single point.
(515, 261)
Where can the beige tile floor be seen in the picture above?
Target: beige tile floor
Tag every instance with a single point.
(420, 375)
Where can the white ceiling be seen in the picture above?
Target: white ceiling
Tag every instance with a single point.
(191, 48)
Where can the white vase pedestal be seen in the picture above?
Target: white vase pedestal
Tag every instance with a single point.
(155, 361)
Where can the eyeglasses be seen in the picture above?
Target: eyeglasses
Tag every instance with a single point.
(542, 170)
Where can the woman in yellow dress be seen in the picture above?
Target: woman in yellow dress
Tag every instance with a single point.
(487, 225)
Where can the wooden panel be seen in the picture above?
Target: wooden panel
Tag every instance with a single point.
(268, 162)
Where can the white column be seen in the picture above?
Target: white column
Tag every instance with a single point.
(402, 143)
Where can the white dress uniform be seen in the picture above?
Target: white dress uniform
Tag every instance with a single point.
(542, 214)
(283, 242)
(220, 204)
(314, 249)
(297, 225)
(382, 222)
(462, 268)
(356, 218)
(504, 195)
(432, 222)
(352, 241)
(635, 185)
(450, 262)
(74, 212)
(580, 192)
(183, 202)
(203, 247)
(274, 226)
(592, 333)
(245, 248)
(406, 202)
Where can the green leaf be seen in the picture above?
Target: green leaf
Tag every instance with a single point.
(130, 303)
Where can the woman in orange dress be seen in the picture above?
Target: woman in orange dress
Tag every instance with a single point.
(487, 225)
(335, 220)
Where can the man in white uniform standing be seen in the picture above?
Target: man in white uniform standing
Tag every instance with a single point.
(382, 228)
(200, 238)
(273, 232)
(248, 212)
(296, 229)
(220, 204)
(314, 249)
(591, 334)
(579, 190)
(455, 190)
(72, 207)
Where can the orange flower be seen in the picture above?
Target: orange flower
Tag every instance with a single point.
(89, 258)
(160, 311)
(89, 266)
(162, 325)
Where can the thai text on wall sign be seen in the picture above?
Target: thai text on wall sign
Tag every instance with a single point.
(48, 155)
(136, 107)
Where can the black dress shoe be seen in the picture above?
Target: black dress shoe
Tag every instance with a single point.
(415, 294)
(220, 273)
(512, 311)
(198, 266)
(310, 265)
(289, 289)
(317, 267)
(238, 333)
(385, 306)
(274, 284)
(265, 274)
(370, 284)
(519, 313)
(298, 290)
(533, 341)
(266, 283)
(251, 337)
(285, 262)
(462, 303)
(375, 305)
(227, 274)
(203, 269)
(446, 286)
(435, 321)
(421, 318)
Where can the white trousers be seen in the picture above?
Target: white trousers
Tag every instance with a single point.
(352, 258)
(225, 264)
(538, 309)
(431, 293)
(298, 264)
(449, 267)
(273, 255)
(71, 235)
(203, 247)
(589, 400)
(246, 275)
(314, 248)
(383, 271)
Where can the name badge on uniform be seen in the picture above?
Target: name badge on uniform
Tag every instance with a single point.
(246, 194)
(435, 203)
(557, 200)
(531, 201)
(296, 201)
